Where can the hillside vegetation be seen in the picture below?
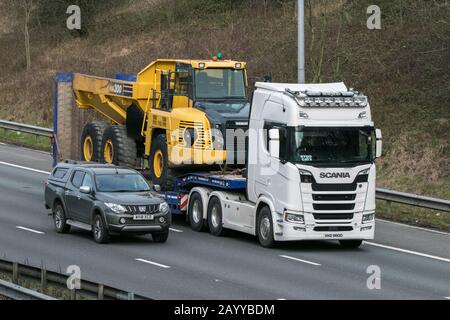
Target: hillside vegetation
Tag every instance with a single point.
(404, 68)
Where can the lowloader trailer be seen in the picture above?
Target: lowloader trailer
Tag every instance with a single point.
(173, 114)
(310, 173)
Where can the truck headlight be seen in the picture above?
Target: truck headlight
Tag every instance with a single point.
(294, 217)
(368, 217)
(306, 176)
(163, 207)
(117, 208)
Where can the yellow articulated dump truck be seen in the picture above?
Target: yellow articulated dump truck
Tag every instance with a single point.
(176, 114)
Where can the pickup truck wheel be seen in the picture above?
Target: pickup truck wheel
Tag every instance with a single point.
(99, 230)
(91, 141)
(118, 148)
(350, 244)
(59, 218)
(265, 228)
(195, 212)
(160, 237)
(215, 217)
(159, 163)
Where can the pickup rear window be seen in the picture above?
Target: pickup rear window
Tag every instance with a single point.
(60, 173)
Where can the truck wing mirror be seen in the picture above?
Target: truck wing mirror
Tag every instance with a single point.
(157, 188)
(86, 190)
(274, 143)
(379, 144)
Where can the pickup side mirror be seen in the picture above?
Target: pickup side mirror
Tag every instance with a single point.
(274, 143)
(379, 144)
(86, 190)
(157, 187)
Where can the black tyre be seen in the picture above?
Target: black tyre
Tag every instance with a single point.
(59, 219)
(215, 217)
(91, 141)
(195, 212)
(350, 244)
(160, 237)
(265, 228)
(99, 230)
(159, 163)
(118, 148)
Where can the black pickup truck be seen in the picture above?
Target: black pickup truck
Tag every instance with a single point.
(105, 199)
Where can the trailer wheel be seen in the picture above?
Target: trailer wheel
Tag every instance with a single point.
(118, 148)
(215, 217)
(195, 212)
(91, 141)
(265, 228)
(159, 163)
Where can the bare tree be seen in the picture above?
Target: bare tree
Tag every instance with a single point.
(27, 6)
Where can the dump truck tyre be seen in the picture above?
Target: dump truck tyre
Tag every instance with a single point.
(118, 148)
(91, 141)
(159, 163)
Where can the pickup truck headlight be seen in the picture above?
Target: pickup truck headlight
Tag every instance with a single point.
(294, 217)
(163, 207)
(117, 208)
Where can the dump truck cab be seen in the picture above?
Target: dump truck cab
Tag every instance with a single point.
(172, 114)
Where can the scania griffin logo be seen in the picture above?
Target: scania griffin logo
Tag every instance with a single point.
(334, 175)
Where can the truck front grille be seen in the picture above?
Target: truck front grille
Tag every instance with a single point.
(333, 216)
(333, 206)
(333, 228)
(334, 186)
(334, 197)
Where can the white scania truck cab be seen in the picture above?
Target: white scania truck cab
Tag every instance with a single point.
(310, 172)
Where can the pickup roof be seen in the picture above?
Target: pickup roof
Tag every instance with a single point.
(105, 199)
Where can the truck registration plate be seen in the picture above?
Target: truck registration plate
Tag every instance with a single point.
(143, 217)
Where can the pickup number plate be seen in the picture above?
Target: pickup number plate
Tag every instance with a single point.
(143, 217)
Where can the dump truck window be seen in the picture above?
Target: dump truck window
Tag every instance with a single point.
(219, 84)
(183, 82)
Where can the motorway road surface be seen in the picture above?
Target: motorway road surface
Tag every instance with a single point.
(414, 263)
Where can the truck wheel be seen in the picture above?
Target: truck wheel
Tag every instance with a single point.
(91, 141)
(160, 237)
(118, 148)
(59, 218)
(159, 163)
(215, 217)
(265, 228)
(350, 244)
(99, 230)
(195, 212)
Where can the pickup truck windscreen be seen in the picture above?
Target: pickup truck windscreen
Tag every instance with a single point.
(121, 183)
(331, 145)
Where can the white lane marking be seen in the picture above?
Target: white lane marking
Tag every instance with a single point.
(281, 299)
(448, 298)
(23, 168)
(29, 230)
(408, 251)
(153, 263)
(175, 230)
(300, 260)
(414, 227)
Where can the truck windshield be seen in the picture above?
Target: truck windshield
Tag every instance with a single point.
(121, 183)
(331, 145)
(219, 84)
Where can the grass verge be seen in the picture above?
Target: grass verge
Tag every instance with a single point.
(25, 140)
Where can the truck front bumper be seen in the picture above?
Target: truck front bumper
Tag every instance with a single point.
(326, 230)
(115, 223)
